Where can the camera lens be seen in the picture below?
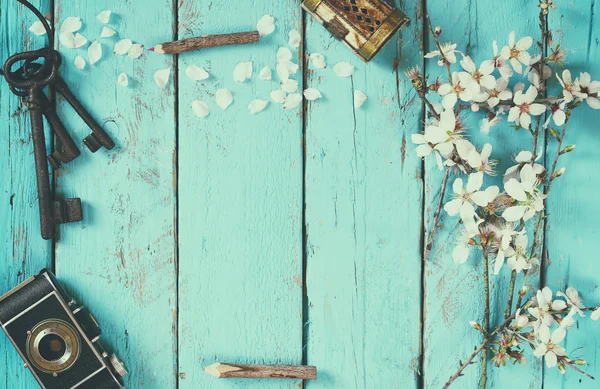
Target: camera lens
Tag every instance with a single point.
(52, 347)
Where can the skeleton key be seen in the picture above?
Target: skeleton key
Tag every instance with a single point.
(51, 212)
(98, 137)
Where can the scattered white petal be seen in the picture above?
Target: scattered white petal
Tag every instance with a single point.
(104, 16)
(284, 54)
(243, 71)
(67, 40)
(94, 52)
(200, 109)
(162, 77)
(79, 40)
(38, 28)
(292, 101)
(359, 99)
(257, 106)
(290, 86)
(295, 39)
(196, 73)
(344, 69)
(224, 98)
(278, 96)
(266, 25)
(135, 51)
(318, 60)
(123, 46)
(107, 32)
(265, 73)
(285, 69)
(79, 62)
(312, 94)
(71, 24)
(123, 80)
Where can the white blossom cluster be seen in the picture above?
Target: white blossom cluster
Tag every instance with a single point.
(511, 87)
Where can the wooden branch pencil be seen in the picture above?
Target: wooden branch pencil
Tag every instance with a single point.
(229, 370)
(204, 42)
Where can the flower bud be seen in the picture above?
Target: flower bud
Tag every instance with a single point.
(568, 149)
(559, 172)
(476, 325)
(580, 362)
(438, 31)
(475, 107)
(562, 368)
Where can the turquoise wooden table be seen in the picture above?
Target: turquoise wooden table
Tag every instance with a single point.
(290, 236)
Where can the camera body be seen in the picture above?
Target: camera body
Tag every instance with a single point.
(58, 340)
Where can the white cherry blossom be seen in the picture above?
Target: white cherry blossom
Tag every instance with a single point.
(448, 54)
(570, 88)
(475, 77)
(481, 160)
(529, 199)
(590, 89)
(573, 300)
(517, 53)
(453, 91)
(525, 106)
(461, 251)
(549, 347)
(505, 70)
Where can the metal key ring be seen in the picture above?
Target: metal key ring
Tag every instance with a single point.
(24, 83)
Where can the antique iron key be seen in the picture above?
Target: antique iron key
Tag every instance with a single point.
(30, 85)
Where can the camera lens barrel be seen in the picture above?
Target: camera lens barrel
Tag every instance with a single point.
(88, 323)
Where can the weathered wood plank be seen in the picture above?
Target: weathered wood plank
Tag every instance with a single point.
(363, 216)
(454, 293)
(22, 250)
(572, 235)
(121, 259)
(240, 204)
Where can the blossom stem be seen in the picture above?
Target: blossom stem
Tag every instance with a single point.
(436, 216)
(486, 315)
(511, 292)
(480, 348)
(571, 364)
(439, 46)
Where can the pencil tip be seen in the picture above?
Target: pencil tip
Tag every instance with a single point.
(151, 49)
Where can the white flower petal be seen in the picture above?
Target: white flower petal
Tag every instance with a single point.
(266, 25)
(257, 106)
(224, 98)
(474, 182)
(453, 207)
(161, 77)
(243, 71)
(104, 16)
(107, 32)
(515, 190)
(67, 39)
(196, 73)
(38, 28)
(312, 94)
(513, 214)
(278, 96)
(200, 108)
(344, 69)
(284, 54)
(359, 99)
(289, 86)
(285, 68)
(123, 80)
(596, 315)
(318, 60)
(135, 51)
(295, 39)
(460, 254)
(292, 101)
(94, 52)
(123, 46)
(79, 40)
(71, 24)
(265, 73)
(79, 62)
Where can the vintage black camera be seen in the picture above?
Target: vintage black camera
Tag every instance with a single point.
(57, 339)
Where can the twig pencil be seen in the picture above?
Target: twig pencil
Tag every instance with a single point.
(229, 370)
(203, 42)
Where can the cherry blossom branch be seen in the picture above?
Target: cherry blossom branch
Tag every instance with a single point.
(480, 348)
(486, 314)
(439, 46)
(571, 364)
(436, 216)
